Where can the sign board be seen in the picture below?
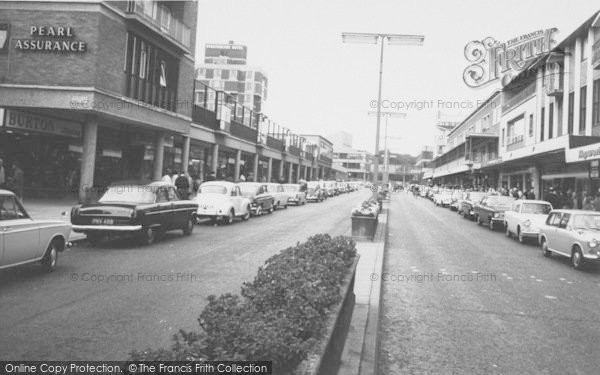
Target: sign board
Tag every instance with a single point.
(594, 174)
(4, 37)
(584, 153)
(30, 122)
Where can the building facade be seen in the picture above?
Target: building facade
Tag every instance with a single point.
(225, 69)
(358, 163)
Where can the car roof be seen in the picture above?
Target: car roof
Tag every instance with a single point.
(6, 192)
(228, 184)
(531, 201)
(575, 212)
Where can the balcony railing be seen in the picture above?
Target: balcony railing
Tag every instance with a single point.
(514, 142)
(596, 55)
(151, 93)
(554, 82)
(518, 98)
(161, 18)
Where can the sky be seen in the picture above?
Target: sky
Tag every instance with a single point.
(319, 85)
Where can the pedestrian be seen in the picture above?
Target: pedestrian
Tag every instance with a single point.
(242, 178)
(19, 180)
(530, 194)
(167, 177)
(588, 204)
(182, 185)
(2, 175)
(552, 198)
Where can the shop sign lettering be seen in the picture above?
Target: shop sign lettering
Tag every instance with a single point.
(30, 122)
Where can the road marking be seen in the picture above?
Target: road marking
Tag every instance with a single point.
(550, 297)
(509, 278)
(504, 274)
(562, 279)
(532, 277)
(538, 280)
(569, 282)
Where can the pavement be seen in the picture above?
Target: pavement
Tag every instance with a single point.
(53, 209)
(102, 302)
(461, 299)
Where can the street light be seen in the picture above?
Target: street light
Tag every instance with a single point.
(387, 115)
(373, 38)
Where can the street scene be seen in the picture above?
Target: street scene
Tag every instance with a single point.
(324, 188)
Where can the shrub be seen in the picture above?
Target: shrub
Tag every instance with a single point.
(279, 316)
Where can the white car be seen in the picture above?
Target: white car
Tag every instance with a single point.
(525, 218)
(221, 201)
(280, 197)
(25, 240)
(296, 193)
(443, 198)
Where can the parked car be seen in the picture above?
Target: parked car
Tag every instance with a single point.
(24, 240)
(572, 233)
(342, 187)
(279, 195)
(142, 210)
(443, 198)
(260, 199)
(457, 198)
(314, 192)
(467, 204)
(525, 218)
(330, 188)
(222, 202)
(490, 211)
(296, 193)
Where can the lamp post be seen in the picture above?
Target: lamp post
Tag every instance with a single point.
(387, 115)
(373, 38)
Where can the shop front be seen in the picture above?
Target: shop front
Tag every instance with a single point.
(200, 160)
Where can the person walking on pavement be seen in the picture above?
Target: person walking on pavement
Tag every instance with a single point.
(19, 180)
(2, 175)
(212, 176)
(167, 177)
(182, 184)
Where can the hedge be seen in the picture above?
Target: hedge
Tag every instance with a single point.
(278, 317)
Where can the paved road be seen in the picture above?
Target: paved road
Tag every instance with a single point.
(525, 315)
(53, 317)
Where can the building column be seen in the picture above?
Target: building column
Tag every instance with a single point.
(280, 176)
(185, 157)
(215, 158)
(159, 155)
(508, 182)
(536, 182)
(255, 167)
(269, 169)
(238, 162)
(290, 170)
(88, 160)
(566, 84)
(306, 173)
(589, 83)
(298, 171)
(576, 85)
(500, 177)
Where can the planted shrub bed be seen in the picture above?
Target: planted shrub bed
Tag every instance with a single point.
(279, 317)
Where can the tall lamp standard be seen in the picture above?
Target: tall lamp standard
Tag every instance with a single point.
(387, 115)
(392, 39)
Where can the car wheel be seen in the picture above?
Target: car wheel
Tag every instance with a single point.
(147, 237)
(51, 256)
(270, 210)
(188, 228)
(507, 231)
(577, 258)
(547, 253)
(228, 220)
(258, 210)
(247, 215)
(520, 235)
(478, 220)
(275, 206)
(286, 205)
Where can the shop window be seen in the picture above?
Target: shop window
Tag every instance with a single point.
(163, 74)
(530, 125)
(143, 61)
(571, 112)
(582, 108)
(503, 133)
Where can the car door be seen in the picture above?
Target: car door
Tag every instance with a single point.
(282, 194)
(513, 217)
(179, 212)
(551, 229)
(236, 200)
(564, 236)
(165, 217)
(21, 235)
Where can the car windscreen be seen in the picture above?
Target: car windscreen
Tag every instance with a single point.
(212, 189)
(476, 197)
(311, 190)
(291, 189)
(248, 188)
(586, 222)
(129, 194)
(536, 208)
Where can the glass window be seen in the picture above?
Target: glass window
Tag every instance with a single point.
(554, 219)
(10, 209)
(530, 125)
(586, 222)
(128, 194)
(143, 60)
(571, 112)
(596, 103)
(163, 196)
(542, 123)
(536, 208)
(550, 121)
(582, 108)
(212, 189)
(163, 74)
(172, 194)
(564, 221)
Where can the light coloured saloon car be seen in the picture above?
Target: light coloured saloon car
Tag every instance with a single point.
(296, 193)
(25, 240)
(280, 197)
(572, 233)
(222, 201)
(525, 218)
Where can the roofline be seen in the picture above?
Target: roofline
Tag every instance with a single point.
(485, 103)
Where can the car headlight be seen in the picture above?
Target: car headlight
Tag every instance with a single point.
(527, 223)
(593, 243)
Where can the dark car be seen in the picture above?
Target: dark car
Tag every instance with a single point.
(466, 205)
(490, 211)
(314, 192)
(260, 199)
(142, 210)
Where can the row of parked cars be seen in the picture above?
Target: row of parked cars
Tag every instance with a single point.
(571, 233)
(145, 211)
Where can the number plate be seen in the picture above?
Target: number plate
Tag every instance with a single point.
(101, 221)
